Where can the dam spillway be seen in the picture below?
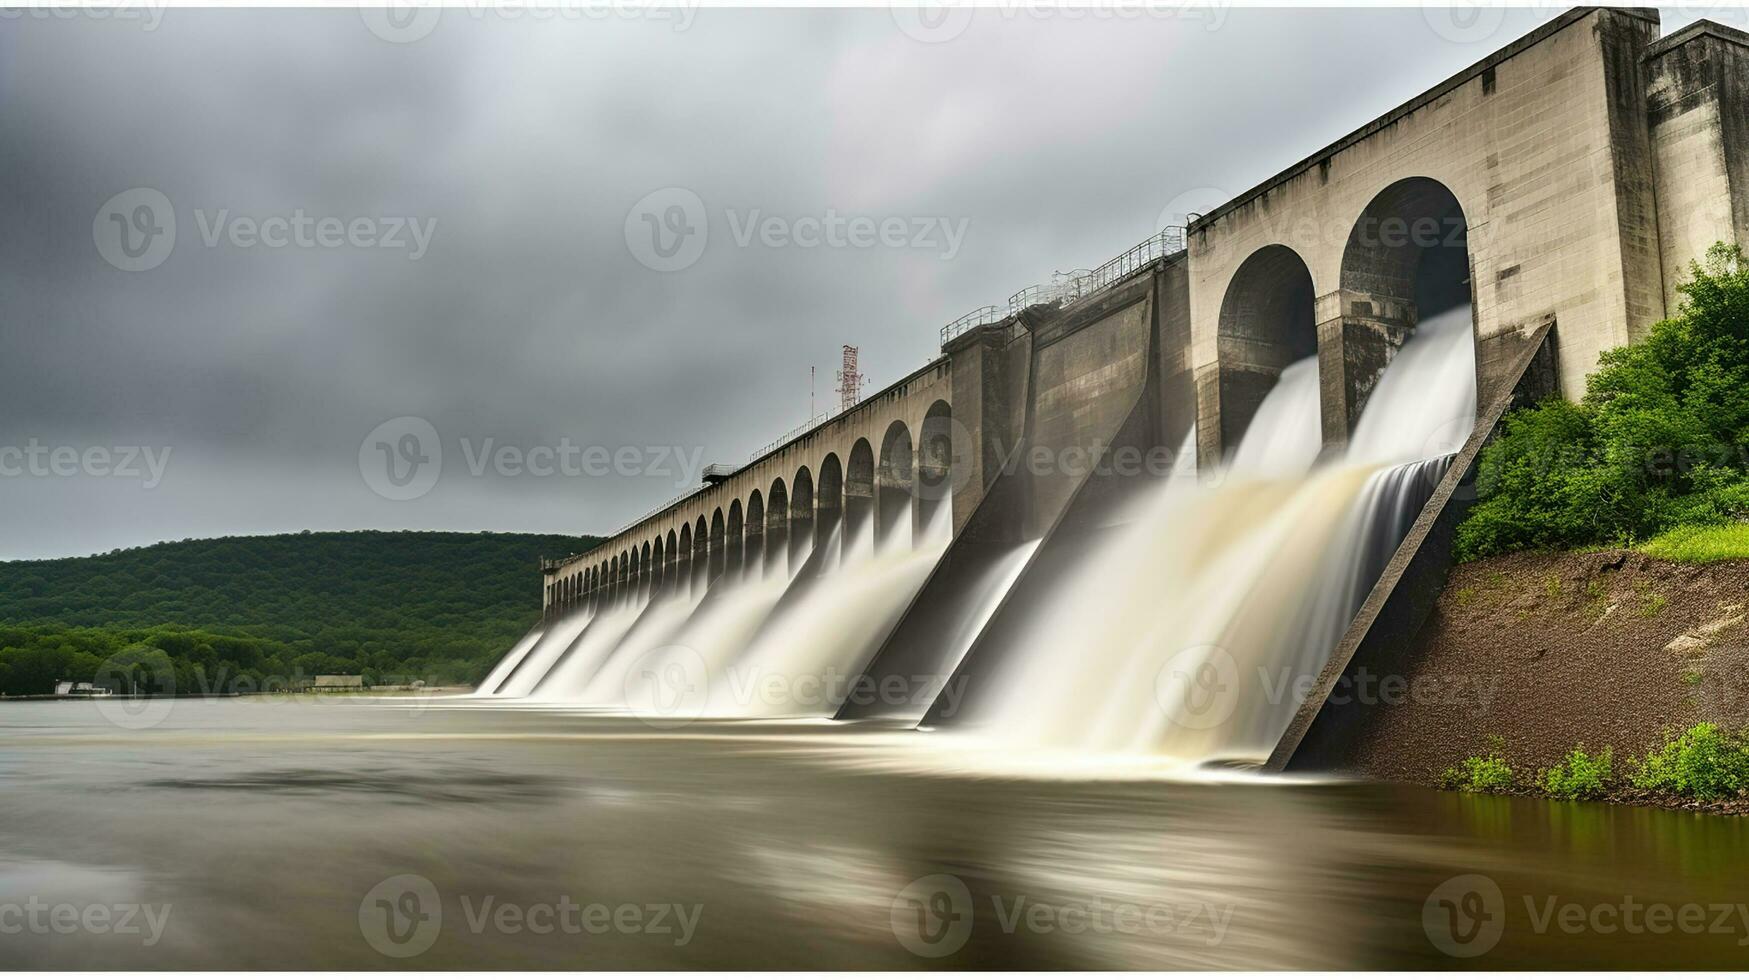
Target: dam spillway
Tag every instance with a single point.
(1258, 376)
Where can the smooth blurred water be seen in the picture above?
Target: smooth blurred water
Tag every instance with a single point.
(264, 825)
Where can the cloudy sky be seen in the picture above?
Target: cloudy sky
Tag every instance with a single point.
(256, 265)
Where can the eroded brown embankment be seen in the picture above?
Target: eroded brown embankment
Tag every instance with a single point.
(1544, 652)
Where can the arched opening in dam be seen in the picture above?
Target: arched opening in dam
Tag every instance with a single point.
(801, 518)
(753, 551)
(1405, 268)
(938, 459)
(733, 541)
(859, 498)
(683, 562)
(1268, 335)
(701, 560)
(829, 510)
(777, 530)
(894, 487)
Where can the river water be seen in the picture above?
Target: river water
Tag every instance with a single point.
(352, 834)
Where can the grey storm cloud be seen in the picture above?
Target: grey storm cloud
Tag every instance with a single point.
(522, 144)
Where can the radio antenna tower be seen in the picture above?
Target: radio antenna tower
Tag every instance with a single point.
(849, 381)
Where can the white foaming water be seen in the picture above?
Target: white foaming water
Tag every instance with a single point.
(505, 666)
(755, 645)
(803, 663)
(1285, 435)
(616, 628)
(1426, 399)
(552, 644)
(1195, 632)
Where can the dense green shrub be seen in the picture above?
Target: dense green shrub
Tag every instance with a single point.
(1705, 762)
(1479, 774)
(1579, 776)
(1660, 440)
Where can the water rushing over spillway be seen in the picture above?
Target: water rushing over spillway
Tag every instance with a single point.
(1196, 632)
(779, 638)
(1192, 631)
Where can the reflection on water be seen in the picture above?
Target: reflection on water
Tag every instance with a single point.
(264, 828)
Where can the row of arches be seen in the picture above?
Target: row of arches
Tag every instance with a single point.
(872, 494)
(1406, 258)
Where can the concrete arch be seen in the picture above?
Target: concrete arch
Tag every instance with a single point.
(658, 567)
(937, 458)
(828, 500)
(646, 574)
(1407, 258)
(894, 483)
(624, 586)
(683, 561)
(734, 535)
(859, 496)
(1268, 321)
(801, 517)
(777, 528)
(671, 562)
(719, 553)
(701, 553)
(753, 550)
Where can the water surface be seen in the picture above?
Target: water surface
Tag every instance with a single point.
(264, 827)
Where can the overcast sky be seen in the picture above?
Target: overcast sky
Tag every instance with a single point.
(551, 233)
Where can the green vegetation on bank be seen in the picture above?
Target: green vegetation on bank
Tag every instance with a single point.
(1658, 444)
(1579, 775)
(1705, 763)
(438, 607)
(1698, 545)
(1478, 774)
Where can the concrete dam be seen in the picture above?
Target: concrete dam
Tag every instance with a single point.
(1178, 502)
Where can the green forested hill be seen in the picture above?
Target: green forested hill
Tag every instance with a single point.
(438, 606)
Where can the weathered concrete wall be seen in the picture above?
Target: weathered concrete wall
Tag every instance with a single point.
(1697, 100)
(1543, 146)
(1089, 366)
(990, 370)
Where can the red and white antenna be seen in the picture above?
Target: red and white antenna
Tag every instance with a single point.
(849, 381)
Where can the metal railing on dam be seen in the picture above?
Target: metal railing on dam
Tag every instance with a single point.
(1068, 287)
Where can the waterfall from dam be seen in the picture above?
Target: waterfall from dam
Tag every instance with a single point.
(509, 661)
(782, 640)
(1194, 633)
